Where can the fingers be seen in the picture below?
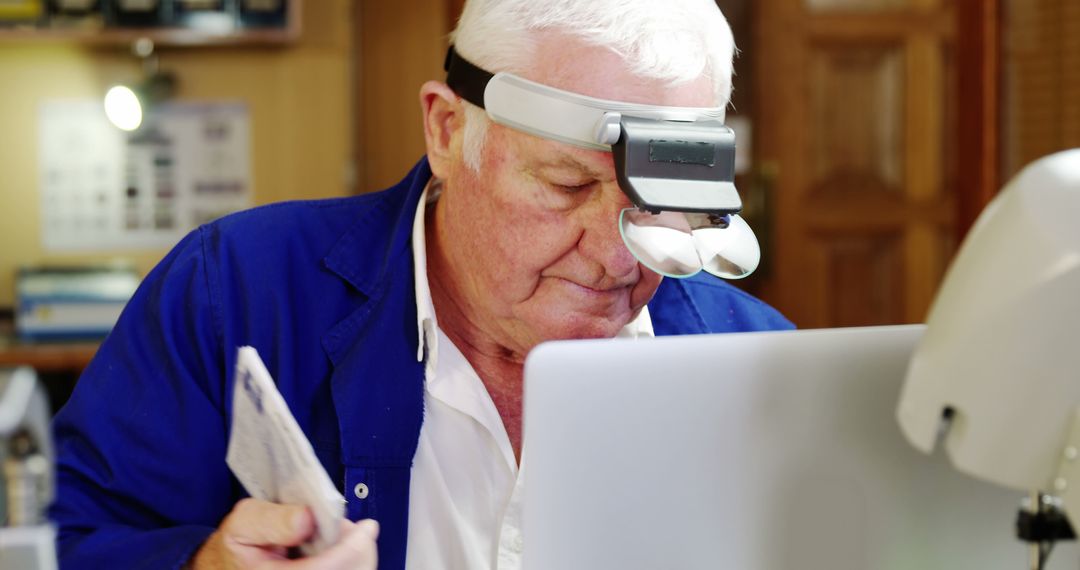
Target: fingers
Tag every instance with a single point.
(259, 523)
(258, 533)
(360, 545)
(356, 550)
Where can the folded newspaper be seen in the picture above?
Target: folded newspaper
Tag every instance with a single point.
(270, 456)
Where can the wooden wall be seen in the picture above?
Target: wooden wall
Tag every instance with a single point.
(1041, 56)
(401, 45)
(299, 98)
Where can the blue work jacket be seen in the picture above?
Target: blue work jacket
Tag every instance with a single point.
(324, 291)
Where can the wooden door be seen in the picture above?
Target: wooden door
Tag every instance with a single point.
(1042, 80)
(853, 116)
(399, 46)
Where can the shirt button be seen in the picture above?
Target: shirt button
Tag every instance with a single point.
(361, 491)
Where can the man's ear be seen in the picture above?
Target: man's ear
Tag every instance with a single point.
(443, 117)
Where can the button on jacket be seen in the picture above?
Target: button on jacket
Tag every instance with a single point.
(324, 291)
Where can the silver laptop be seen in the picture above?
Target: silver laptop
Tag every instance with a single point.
(756, 451)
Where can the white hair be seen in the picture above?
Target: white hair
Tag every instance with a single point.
(473, 136)
(668, 40)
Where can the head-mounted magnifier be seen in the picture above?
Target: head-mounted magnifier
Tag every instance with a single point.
(675, 164)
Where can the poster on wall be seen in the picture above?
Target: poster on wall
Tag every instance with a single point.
(105, 189)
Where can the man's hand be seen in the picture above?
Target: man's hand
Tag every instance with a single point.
(258, 535)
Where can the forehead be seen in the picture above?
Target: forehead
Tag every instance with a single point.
(567, 62)
(539, 154)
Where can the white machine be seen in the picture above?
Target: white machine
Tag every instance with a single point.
(1001, 355)
(27, 539)
(646, 454)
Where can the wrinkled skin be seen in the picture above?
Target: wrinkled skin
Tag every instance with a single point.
(528, 248)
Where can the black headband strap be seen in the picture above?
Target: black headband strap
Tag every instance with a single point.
(466, 79)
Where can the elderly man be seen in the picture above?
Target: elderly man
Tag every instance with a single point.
(395, 324)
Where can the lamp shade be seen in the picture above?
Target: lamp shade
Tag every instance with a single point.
(1002, 344)
(123, 108)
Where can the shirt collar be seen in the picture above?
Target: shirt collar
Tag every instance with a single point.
(427, 325)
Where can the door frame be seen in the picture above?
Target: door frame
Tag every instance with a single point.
(979, 108)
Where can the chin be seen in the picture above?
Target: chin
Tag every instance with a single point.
(584, 326)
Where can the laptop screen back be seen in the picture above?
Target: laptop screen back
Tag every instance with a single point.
(765, 451)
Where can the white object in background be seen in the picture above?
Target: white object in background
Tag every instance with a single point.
(1002, 345)
(28, 547)
(25, 406)
(123, 108)
(29, 543)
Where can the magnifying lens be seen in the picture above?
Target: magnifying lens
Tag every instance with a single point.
(675, 164)
(675, 244)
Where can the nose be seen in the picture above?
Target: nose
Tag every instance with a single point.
(601, 241)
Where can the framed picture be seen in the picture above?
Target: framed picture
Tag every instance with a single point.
(264, 13)
(136, 13)
(137, 6)
(196, 5)
(75, 14)
(215, 16)
(262, 6)
(73, 6)
(20, 10)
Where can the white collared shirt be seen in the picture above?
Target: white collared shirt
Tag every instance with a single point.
(466, 487)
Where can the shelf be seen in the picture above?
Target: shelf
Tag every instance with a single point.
(161, 37)
(65, 357)
(47, 357)
(95, 35)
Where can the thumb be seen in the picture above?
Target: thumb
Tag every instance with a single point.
(259, 523)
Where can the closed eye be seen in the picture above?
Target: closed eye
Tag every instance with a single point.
(572, 188)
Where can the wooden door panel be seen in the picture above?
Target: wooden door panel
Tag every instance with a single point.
(856, 118)
(867, 5)
(861, 274)
(853, 111)
(401, 45)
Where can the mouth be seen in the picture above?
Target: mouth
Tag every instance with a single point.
(595, 291)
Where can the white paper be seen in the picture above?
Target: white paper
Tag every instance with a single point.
(103, 189)
(270, 456)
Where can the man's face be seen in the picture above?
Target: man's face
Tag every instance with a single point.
(533, 236)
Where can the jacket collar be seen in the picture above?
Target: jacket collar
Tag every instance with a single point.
(376, 383)
(366, 251)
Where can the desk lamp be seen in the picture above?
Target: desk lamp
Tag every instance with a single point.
(124, 105)
(996, 377)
